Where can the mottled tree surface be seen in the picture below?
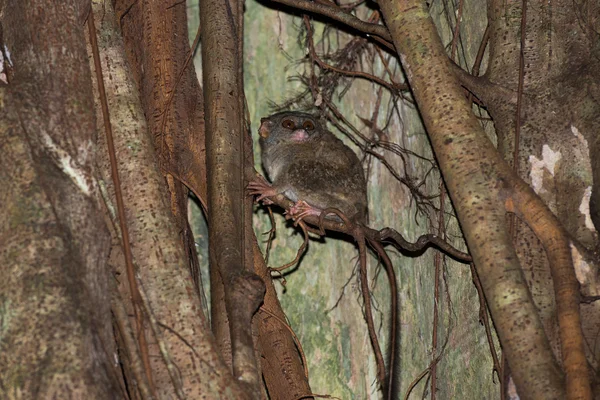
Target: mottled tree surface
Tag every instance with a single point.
(55, 334)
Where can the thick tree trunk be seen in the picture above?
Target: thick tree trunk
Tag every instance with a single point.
(56, 339)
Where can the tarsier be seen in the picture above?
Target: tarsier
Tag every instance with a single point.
(311, 167)
(314, 169)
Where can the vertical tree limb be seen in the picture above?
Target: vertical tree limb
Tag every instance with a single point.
(157, 33)
(566, 287)
(134, 292)
(225, 169)
(282, 369)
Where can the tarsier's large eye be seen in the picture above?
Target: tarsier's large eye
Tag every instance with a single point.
(308, 125)
(288, 123)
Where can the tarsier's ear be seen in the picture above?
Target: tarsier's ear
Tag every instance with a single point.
(265, 127)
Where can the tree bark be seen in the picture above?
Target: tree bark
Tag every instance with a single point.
(221, 24)
(480, 182)
(57, 336)
(188, 363)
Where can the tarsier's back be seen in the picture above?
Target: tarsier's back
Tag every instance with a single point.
(307, 162)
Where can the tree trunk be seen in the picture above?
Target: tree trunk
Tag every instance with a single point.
(56, 339)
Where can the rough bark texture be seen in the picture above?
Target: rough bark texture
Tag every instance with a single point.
(559, 128)
(56, 337)
(154, 35)
(557, 118)
(221, 25)
(479, 182)
(183, 336)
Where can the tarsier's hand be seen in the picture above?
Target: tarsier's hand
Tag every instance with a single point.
(261, 188)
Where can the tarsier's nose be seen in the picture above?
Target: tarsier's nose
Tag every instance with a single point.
(299, 135)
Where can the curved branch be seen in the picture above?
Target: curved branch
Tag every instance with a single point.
(530, 209)
(341, 16)
(422, 243)
(478, 181)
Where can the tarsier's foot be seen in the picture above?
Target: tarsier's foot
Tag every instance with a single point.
(261, 188)
(302, 209)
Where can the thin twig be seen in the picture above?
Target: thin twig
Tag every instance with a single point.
(300, 251)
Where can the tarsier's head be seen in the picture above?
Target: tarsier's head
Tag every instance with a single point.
(288, 127)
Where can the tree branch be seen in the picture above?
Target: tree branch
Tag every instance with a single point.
(339, 15)
(244, 290)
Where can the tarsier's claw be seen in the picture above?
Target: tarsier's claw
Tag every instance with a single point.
(265, 200)
(289, 216)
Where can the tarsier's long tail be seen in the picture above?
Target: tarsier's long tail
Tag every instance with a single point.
(387, 381)
(391, 385)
